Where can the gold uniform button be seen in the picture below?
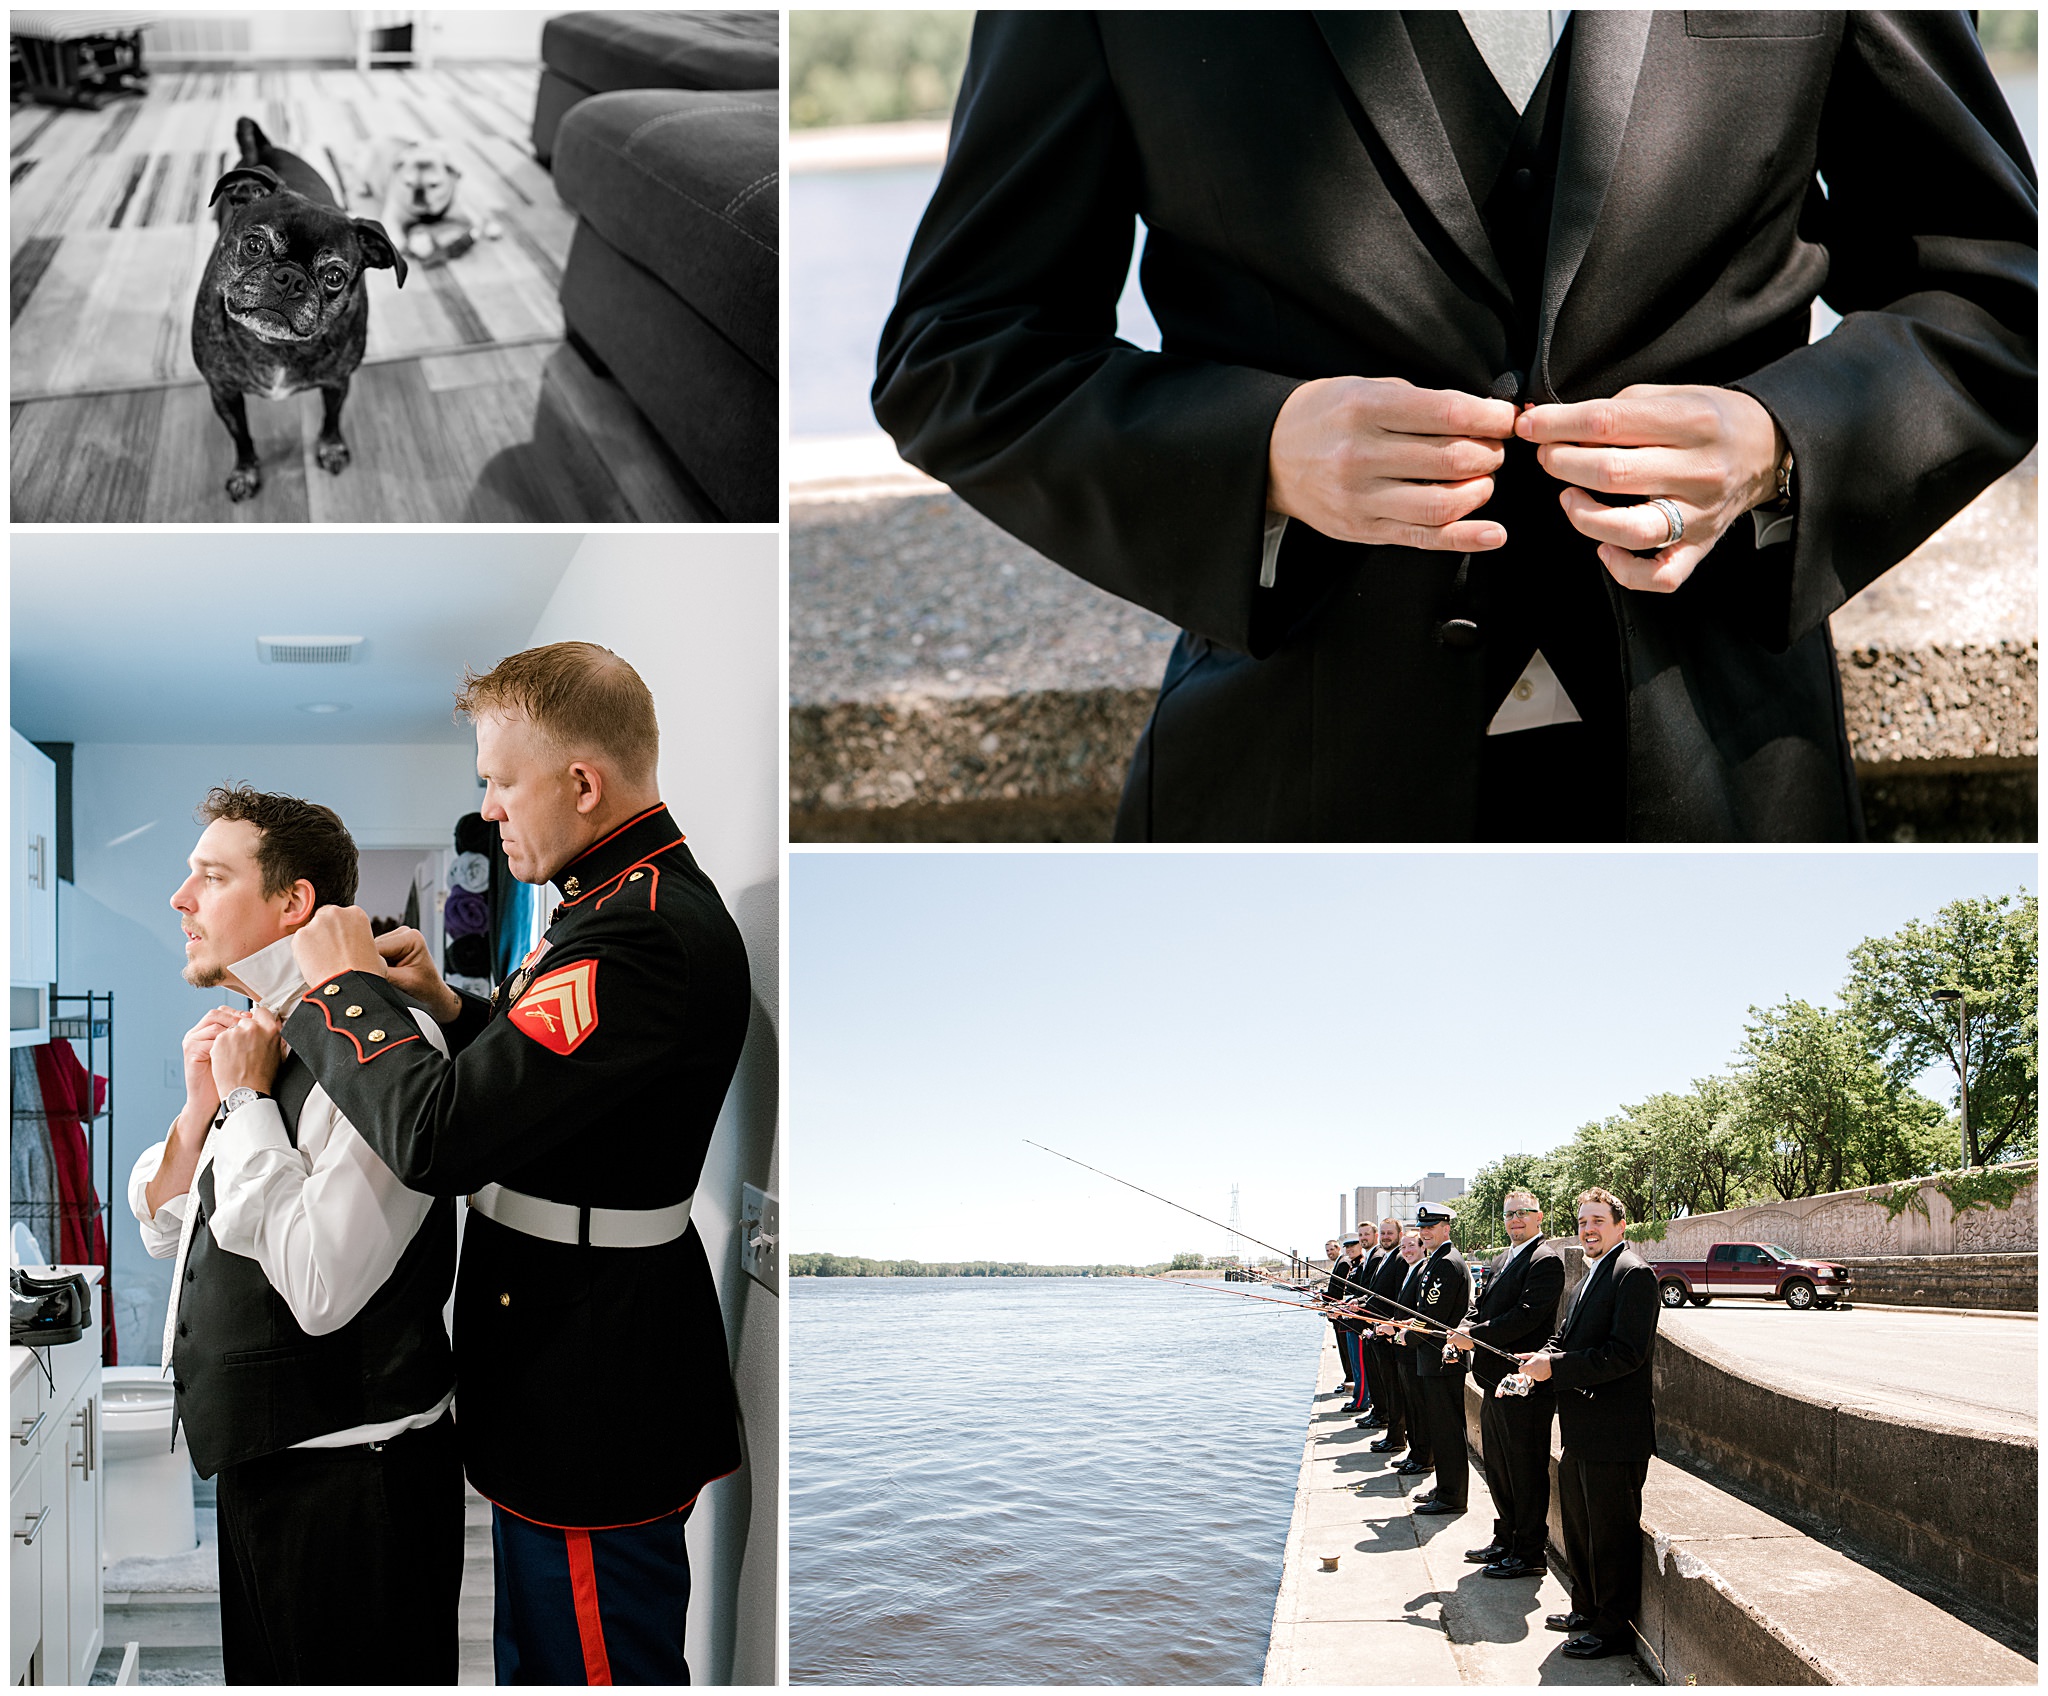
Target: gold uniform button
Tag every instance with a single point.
(331, 989)
(352, 1012)
(636, 877)
(1524, 689)
(376, 1036)
(505, 1300)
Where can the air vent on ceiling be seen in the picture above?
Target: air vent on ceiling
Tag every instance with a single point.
(308, 650)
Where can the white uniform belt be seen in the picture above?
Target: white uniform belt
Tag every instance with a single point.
(599, 1227)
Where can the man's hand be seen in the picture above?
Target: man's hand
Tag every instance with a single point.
(1537, 1365)
(336, 940)
(248, 1055)
(409, 964)
(1713, 452)
(1375, 459)
(201, 1098)
(1458, 1340)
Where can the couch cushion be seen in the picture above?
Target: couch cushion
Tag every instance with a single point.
(685, 184)
(603, 51)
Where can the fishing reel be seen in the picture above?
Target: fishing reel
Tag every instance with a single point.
(1451, 1356)
(1515, 1384)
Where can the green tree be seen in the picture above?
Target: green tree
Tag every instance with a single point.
(1819, 1112)
(1989, 949)
(874, 67)
(1478, 1226)
(1187, 1261)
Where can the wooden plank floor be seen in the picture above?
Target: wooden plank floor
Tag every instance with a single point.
(469, 407)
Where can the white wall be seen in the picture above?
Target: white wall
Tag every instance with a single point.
(698, 617)
(286, 35)
(116, 931)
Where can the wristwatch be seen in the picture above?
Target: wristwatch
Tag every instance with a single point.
(240, 1096)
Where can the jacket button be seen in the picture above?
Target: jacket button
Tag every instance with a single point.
(1523, 178)
(505, 1300)
(331, 989)
(1458, 633)
(191, 1277)
(352, 1012)
(184, 1330)
(376, 1036)
(1507, 386)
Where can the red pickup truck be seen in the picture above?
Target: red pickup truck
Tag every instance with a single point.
(1753, 1269)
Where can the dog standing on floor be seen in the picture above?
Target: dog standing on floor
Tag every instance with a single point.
(283, 305)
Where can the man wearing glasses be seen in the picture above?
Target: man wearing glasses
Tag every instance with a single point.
(1517, 1312)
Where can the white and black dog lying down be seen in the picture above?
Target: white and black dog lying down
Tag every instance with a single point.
(282, 304)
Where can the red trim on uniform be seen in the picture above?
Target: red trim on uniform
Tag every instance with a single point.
(626, 1525)
(365, 1055)
(628, 825)
(654, 876)
(597, 1666)
(608, 882)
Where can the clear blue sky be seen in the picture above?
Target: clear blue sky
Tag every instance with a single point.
(1296, 1024)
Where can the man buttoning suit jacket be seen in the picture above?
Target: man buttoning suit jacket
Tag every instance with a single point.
(1443, 361)
(1600, 1364)
(1517, 1312)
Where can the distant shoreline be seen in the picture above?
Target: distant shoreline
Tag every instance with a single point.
(859, 1266)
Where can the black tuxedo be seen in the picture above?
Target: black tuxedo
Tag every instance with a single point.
(1314, 208)
(1387, 1281)
(1608, 1423)
(1518, 1313)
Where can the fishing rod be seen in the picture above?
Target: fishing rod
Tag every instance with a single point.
(1248, 1237)
(1242, 1295)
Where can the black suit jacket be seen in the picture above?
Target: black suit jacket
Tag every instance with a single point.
(1306, 217)
(1386, 1280)
(1518, 1312)
(1605, 1411)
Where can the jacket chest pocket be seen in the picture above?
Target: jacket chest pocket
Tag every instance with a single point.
(1741, 26)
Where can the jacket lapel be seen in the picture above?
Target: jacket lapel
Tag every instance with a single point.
(1378, 60)
(1606, 57)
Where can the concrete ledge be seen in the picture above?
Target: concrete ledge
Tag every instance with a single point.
(2006, 1282)
(918, 629)
(1954, 1508)
(1732, 1595)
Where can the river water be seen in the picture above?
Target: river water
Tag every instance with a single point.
(1039, 1480)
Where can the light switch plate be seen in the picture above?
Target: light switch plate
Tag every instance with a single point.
(761, 1238)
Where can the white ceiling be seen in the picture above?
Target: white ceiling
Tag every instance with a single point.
(151, 636)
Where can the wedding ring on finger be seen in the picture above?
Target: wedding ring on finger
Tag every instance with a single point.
(1673, 517)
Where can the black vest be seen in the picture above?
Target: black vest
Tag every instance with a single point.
(1546, 589)
(250, 1382)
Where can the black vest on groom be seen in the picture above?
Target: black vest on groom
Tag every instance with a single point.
(250, 1382)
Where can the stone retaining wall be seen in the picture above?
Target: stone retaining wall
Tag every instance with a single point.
(1858, 1223)
(2008, 1283)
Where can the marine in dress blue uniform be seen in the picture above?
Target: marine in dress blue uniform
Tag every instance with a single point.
(594, 1395)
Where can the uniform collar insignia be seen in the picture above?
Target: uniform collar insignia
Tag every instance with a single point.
(606, 859)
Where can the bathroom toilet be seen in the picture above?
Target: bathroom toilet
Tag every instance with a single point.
(148, 1482)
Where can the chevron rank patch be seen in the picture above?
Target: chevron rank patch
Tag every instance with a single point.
(559, 1010)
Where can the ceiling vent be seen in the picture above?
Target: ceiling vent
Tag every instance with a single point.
(309, 650)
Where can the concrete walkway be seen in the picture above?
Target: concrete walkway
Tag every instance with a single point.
(1403, 1606)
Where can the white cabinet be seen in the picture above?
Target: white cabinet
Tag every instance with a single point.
(56, 1613)
(32, 901)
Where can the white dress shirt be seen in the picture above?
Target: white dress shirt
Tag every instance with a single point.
(327, 1221)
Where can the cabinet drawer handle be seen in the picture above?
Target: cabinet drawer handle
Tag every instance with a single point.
(26, 1437)
(29, 1536)
(82, 1423)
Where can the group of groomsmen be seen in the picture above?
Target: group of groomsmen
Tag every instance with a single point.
(1408, 1329)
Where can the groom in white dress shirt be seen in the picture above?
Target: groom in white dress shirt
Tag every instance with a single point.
(304, 1328)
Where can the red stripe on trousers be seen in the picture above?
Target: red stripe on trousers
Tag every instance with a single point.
(597, 1666)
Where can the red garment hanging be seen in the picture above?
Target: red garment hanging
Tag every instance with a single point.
(81, 1231)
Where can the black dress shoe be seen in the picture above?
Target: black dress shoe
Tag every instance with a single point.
(1435, 1506)
(1591, 1648)
(1486, 1556)
(1408, 1468)
(1385, 1446)
(1370, 1424)
(1566, 1622)
(1513, 1566)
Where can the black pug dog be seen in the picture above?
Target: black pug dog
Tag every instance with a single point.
(282, 305)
